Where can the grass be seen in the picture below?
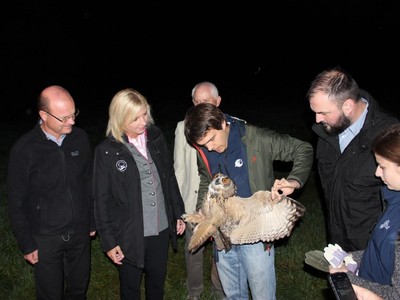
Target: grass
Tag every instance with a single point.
(295, 280)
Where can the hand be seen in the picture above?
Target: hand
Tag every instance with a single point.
(335, 255)
(92, 233)
(32, 257)
(180, 226)
(342, 268)
(365, 294)
(283, 187)
(351, 265)
(116, 255)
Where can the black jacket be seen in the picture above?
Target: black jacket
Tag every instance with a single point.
(118, 199)
(351, 189)
(49, 186)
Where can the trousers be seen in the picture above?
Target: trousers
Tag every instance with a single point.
(155, 270)
(62, 258)
(248, 266)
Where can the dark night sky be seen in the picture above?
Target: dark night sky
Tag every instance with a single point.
(162, 48)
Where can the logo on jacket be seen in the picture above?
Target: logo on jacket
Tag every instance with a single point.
(385, 225)
(121, 165)
(239, 163)
(75, 153)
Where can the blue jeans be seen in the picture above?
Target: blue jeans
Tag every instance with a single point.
(248, 263)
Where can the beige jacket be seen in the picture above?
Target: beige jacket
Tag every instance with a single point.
(186, 170)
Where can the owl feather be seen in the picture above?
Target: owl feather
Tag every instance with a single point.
(231, 219)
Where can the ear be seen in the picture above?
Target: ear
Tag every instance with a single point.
(348, 106)
(223, 124)
(43, 115)
(218, 102)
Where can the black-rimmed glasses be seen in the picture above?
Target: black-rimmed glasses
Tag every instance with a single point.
(64, 119)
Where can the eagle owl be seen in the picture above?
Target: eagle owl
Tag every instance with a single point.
(231, 219)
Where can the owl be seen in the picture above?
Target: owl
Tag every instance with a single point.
(231, 219)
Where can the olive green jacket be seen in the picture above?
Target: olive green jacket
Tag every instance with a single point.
(264, 146)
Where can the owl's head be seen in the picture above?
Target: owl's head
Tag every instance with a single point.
(222, 185)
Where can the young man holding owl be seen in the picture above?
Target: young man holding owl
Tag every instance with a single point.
(246, 154)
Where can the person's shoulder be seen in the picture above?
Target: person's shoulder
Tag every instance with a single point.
(154, 132)
(236, 119)
(108, 145)
(25, 140)
(78, 135)
(180, 124)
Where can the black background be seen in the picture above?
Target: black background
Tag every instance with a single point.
(257, 53)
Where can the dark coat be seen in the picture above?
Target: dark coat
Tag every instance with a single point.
(351, 189)
(49, 186)
(118, 198)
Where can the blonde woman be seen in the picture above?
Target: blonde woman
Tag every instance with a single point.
(137, 200)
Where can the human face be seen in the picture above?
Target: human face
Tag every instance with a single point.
(203, 95)
(332, 118)
(216, 140)
(389, 172)
(59, 118)
(137, 126)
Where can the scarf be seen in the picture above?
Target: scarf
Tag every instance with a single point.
(233, 161)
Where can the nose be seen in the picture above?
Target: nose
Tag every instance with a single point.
(71, 120)
(209, 147)
(318, 118)
(378, 172)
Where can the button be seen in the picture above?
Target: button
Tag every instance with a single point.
(150, 182)
(153, 204)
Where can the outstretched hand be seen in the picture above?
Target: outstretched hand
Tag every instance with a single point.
(283, 187)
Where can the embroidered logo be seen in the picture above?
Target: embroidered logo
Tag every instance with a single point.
(121, 165)
(238, 163)
(385, 225)
(75, 153)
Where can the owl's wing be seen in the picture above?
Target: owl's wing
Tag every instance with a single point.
(263, 219)
(201, 233)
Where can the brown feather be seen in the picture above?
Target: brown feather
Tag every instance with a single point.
(242, 220)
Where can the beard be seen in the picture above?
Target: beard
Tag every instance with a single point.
(341, 125)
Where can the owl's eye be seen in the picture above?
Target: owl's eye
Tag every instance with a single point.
(225, 180)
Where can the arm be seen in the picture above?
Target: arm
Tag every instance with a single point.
(290, 149)
(173, 187)
(179, 162)
(102, 194)
(18, 200)
(387, 292)
(205, 180)
(186, 171)
(364, 294)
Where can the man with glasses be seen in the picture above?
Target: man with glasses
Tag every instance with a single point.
(49, 195)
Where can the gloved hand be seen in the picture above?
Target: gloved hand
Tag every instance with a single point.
(351, 265)
(335, 255)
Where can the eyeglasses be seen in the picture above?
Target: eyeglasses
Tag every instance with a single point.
(64, 119)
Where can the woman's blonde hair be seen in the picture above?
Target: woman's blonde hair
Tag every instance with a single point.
(123, 110)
